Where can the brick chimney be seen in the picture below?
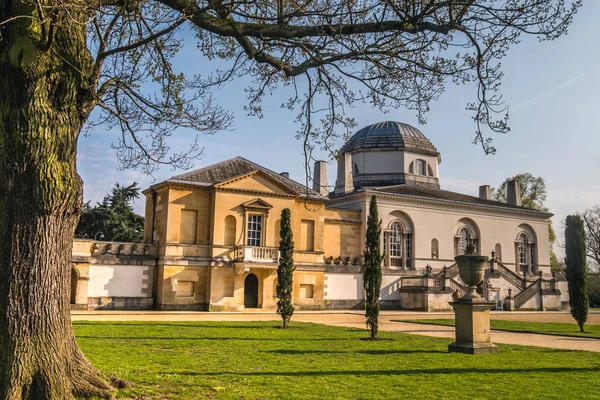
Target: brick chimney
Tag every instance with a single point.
(344, 182)
(485, 192)
(320, 178)
(513, 193)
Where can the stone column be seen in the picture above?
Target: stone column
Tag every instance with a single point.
(403, 247)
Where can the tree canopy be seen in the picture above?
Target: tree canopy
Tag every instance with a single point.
(591, 222)
(113, 217)
(533, 191)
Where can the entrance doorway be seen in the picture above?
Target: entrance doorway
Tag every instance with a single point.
(251, 291)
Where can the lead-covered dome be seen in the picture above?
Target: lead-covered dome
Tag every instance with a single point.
(389, 135)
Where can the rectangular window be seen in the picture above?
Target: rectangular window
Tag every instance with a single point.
(307, 291)
(307, 235)
(254, 230)
(184, 289)
(532, 254)
(188, 226)
(408, 240)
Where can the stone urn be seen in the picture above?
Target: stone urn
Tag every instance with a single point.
(471, 268)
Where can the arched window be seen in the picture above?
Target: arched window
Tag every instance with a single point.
(229, 231)
(396, 244)
(411, 167)
(356, 169)
(429, 170)
(523, 240)
(420, 167)
(463, 240)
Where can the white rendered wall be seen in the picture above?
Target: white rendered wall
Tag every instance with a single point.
(344, 287)
(441, 222)
(117, 281)
(389, 287)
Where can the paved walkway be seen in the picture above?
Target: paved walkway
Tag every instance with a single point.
(355, 319)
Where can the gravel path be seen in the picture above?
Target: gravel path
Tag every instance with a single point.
(356, 320)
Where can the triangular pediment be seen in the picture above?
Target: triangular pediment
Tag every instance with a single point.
(257, 204)
(256, 181)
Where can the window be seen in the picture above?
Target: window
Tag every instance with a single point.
(356, 169)
(411, 167)
(522, 249)
(532, 253)
(463, 240)
(188, 226)
(396, 241)
(420, 167)
(307, 235)
(254, 230)
(408, 241)
(429, 170)
(307, 291)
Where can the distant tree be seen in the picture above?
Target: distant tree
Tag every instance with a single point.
(533, 195)
(372, 268)
(114, 217)
(285, 271)
(593, 289)
(533, 191)
(591, 221)
(576, 269)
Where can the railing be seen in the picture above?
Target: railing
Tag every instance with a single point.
(509, 275)
(414, 281)
(258, 254)
(527, 294)
(451, 271)
(121, 249)
(455, 285)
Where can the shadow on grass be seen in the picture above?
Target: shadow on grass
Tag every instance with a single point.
(200, 325)
(369, 352)
(434, 371)
(294, 339)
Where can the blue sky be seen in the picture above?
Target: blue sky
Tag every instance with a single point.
(552, 88)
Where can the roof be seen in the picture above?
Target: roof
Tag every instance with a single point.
(446, 195)
(389, 134)
(235, 167)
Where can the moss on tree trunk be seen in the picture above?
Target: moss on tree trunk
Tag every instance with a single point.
(43, 88)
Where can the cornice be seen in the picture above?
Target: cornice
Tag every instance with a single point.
(427, 200)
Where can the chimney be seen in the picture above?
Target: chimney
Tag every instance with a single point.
(320, 178)
(285, 174)
(344, 182)
(485, 192)
(513, 193)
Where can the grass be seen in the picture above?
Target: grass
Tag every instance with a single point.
(252, 360)
(545, 328)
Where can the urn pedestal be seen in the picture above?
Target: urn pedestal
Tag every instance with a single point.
(471, 312)
(472, 327)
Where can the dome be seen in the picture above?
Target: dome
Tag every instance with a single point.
(389, 135)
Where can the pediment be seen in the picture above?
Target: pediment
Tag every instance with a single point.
(257, 181)
(257, 204)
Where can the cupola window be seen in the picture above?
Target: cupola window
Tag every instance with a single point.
(419, 167)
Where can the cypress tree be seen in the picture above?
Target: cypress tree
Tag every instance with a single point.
(372, 268)
(576, 269)
(285, 271)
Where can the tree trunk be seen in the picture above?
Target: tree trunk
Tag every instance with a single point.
(42, 85)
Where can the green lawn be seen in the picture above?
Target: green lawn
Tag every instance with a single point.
(256, 361)
(591, 331)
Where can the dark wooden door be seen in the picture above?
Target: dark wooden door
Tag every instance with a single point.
(251, 291)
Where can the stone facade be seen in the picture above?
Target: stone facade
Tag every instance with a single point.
(211, 238)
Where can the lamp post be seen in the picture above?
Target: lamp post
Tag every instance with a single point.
(101, 235)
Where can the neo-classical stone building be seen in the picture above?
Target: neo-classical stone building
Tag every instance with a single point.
(212, 234)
